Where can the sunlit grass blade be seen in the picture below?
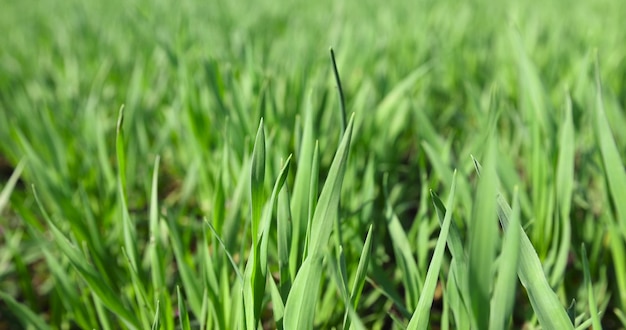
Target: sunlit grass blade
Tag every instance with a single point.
(421, 316)
(361, 273)
(300, 305)
(483, 237)
(156, 322)
(503, 299)
(544, 301)
(326, 210)
(300, 198)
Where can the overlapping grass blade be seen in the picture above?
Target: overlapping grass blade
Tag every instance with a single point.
(100, 288)
(303, 295)
(421, 316)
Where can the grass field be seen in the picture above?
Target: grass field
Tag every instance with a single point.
(194, 165)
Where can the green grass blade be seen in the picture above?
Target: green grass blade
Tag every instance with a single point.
(361, 273)
(342, 102)
(100, 288)
(300, 305)
(544, 301)
(503, 299)
(130, 237)
(257, 182)
(326, 209)
(564, 187)
(613, 164)
(593, 308)
(483, 234)
(183, 317)
(8, 187)
(421, 316)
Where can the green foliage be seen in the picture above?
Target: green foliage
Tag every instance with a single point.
(199, 165)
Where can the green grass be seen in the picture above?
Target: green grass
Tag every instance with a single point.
(212, 166)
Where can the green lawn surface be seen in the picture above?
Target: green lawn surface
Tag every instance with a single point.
(312, 164)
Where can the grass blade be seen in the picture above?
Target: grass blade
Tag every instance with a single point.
(593, 308)
(483, 234)
(420, 317)
(503, 299)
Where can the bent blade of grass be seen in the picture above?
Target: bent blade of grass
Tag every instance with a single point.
(544, 301)
(503, 299)
(483, 234)
(421, 316)
(593, 308)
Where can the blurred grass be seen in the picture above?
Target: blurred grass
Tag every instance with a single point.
(535, 90)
